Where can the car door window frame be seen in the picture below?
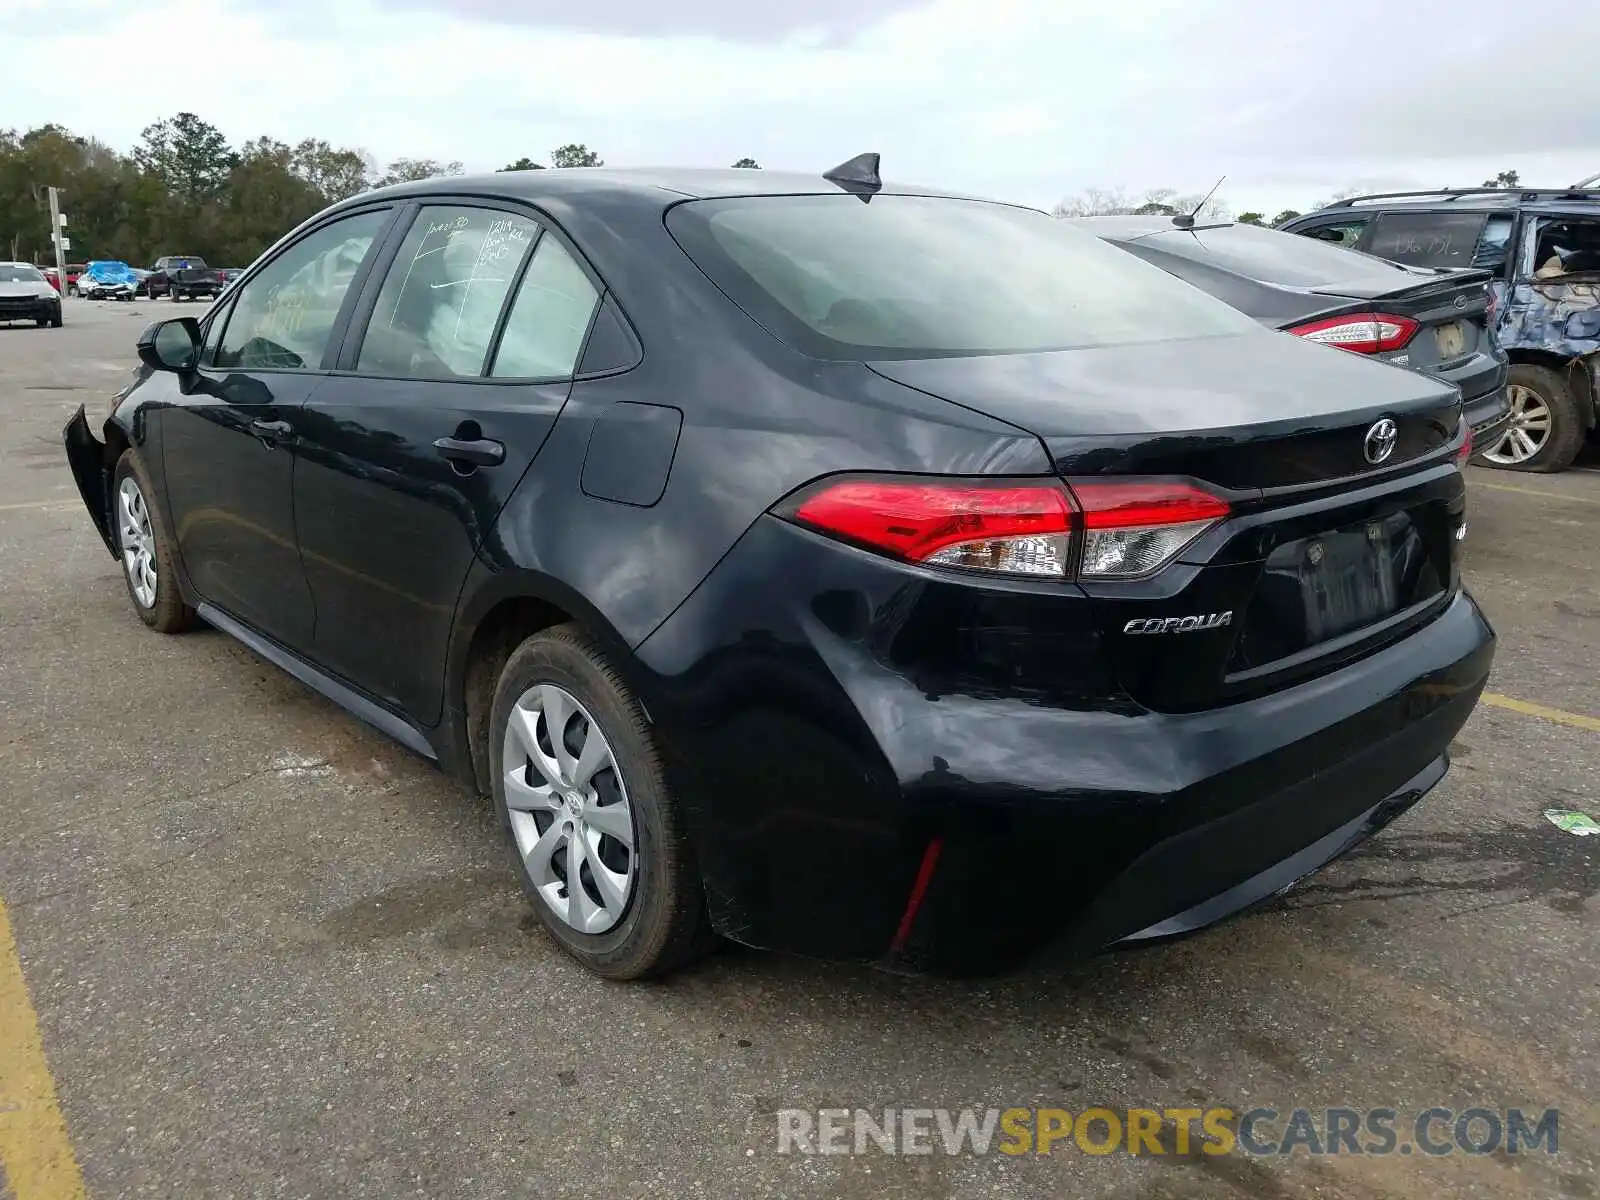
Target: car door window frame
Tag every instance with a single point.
(1366, 220)
(380, 245)
(360, 318)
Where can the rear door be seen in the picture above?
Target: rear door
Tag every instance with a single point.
(460, 358)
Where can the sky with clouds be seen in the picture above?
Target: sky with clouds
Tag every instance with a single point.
(1029, 100)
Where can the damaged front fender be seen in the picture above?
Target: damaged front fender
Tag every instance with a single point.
(87, 456)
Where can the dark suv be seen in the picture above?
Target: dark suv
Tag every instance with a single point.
(1544, 249)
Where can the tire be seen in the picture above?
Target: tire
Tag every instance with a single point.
(1563, 436)
(41, 322)
(662, 922)
(55, 321)
(164, 609)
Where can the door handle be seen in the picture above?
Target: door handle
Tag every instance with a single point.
(480, 452)
(272, 431)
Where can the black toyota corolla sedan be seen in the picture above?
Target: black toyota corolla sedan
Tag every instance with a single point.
(853, 570)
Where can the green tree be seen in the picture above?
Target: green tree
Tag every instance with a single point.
(1506, 179)
(405, 170)
(189, 155)
(575, 154)
(1285, 216)
(748, 164)
(332, 172)
(523, 164)
(1252, 218)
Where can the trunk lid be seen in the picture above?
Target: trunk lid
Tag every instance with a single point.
(1324, 556)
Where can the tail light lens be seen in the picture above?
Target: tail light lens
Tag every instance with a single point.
(1135, 527)
(1364, 333)
(1466, 444)
(1016, 529)
(1127, 528)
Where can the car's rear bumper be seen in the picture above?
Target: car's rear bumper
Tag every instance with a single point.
(1487, 414)
(850, 797)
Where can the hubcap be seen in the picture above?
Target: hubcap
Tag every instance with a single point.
(137, 541)
(1527, 431)
(569, 809)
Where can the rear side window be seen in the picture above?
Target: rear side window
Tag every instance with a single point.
(1428, 239)
(549, 317)
(919, 277)
(1270, 256)
(436, 313)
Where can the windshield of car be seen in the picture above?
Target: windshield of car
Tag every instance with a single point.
(920, 276)
(1271, 256)
(19, 273)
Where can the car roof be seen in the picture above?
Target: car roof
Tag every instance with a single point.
(1491, 203)
(657, 186)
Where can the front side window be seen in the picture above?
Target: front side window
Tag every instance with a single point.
(284, 317)
(549, 319)
(1493, 243)
(442, 296)
(920, 277)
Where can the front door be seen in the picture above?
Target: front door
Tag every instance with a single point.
(410, 451)
(229, 437)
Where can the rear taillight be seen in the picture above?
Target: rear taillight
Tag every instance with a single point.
(1015, 529)
(1364, 333)
(1134, 527)
(1465, 452)
(1116, 529)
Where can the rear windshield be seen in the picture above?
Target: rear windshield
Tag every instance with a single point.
(920, 277)
(1270, 256)
(20, 274)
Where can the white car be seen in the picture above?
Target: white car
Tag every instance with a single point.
(107, 281)
(26, 295)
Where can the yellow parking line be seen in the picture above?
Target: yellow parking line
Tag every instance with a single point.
(1528, 709)
(34, 1150)
(1507, 487)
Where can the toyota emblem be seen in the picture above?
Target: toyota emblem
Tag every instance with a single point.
(1379, 443)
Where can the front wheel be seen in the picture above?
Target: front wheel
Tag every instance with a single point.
(597, 836)
(1546, 428)
(145, 550)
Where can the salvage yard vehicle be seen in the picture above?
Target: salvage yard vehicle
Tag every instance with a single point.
(878, 581)
(1425, 319)
(182, 277)
(107, 280)
(26, 295)
(1543, 246)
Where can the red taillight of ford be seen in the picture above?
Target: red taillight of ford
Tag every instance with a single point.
(1362, 333)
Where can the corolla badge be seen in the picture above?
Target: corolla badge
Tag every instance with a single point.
(1188, 624)
(1380, 440)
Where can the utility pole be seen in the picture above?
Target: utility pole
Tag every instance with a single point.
(57, 222)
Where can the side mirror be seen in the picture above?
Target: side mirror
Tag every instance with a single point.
(172, 345)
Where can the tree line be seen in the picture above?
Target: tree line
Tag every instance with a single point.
(184, 189)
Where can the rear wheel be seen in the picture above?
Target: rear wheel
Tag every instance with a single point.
(597, 836)
(145, 550)
(1546, 428)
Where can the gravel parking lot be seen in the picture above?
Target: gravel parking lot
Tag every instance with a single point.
(272, 953)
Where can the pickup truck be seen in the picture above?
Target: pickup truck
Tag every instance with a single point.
(182, 277)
